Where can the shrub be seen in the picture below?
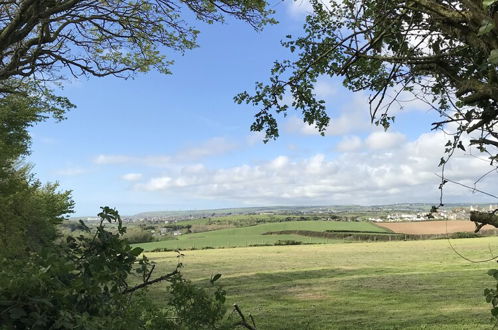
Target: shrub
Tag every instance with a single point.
(83, 283)
(288, 242)
(138, 235)
(464, 235)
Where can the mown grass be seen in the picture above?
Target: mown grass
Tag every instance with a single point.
(246, 236)
(387, 285)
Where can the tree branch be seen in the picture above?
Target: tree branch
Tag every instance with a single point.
(147, 282)
(243, 322)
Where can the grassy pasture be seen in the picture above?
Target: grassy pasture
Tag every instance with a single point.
(383, 285)
(237, 219)
(245, 236)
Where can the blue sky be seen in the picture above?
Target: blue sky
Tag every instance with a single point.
(180, 142)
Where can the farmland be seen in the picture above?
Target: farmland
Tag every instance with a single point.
(382, 285)
(432, 227)
(253, 235)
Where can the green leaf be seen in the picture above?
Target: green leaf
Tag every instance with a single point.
(493, 56)
(487, 3)
(215, 278)
(486, 27)
(136, 251)
(494, 311)
(17, 313)
(84, 227)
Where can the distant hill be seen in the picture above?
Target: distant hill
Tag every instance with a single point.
(414, 207)
(187, 214)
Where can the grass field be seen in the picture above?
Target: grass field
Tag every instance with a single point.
(245, 236)
(242, 218)
(383, 285)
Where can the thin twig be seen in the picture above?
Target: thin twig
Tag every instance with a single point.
(147, 283)
(471, 188)
(243, 322)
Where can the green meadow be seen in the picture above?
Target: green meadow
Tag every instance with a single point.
(253, 235)
(377, 285)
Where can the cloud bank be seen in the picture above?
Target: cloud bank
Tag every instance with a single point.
(390, 169)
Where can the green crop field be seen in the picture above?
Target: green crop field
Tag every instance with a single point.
(243, 218)
(383, 285)
(252, 235)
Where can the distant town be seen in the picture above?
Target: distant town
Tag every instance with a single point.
(377, 213)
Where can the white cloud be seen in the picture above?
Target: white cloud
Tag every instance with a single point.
(126, 159)
(255, 138)
(132, 176)
(193, 169)
(159, 183)
(112, 159)
(404, 173)
(299, 8)
(72, 171)
(349, 143)
(351, 118)
(279, 162)
(298, 126)
(384, 140)
(324, 89)
(212, 147)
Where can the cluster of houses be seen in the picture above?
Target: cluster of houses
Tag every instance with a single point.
(460, 213)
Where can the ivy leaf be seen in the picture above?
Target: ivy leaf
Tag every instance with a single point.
(493, 56)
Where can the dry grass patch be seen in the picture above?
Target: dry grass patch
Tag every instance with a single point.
(431, 227)
(301, 293)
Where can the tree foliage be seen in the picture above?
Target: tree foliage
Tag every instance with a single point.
(45, 40)
(19, 112)
(29, 211)
(86, 283)
(445, 53)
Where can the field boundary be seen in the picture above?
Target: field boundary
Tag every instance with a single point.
(368, 236)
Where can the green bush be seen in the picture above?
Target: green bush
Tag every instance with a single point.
(138, 235)
(464, 235)
(83, 283)
(288, 242)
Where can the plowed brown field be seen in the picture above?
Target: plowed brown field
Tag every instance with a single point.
(431, 227)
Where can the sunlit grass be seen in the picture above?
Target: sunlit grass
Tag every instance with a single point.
(252, 235)
(384, 285)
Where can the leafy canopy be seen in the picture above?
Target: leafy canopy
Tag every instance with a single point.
(445, 53)
(86, 283)
(45, 40)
